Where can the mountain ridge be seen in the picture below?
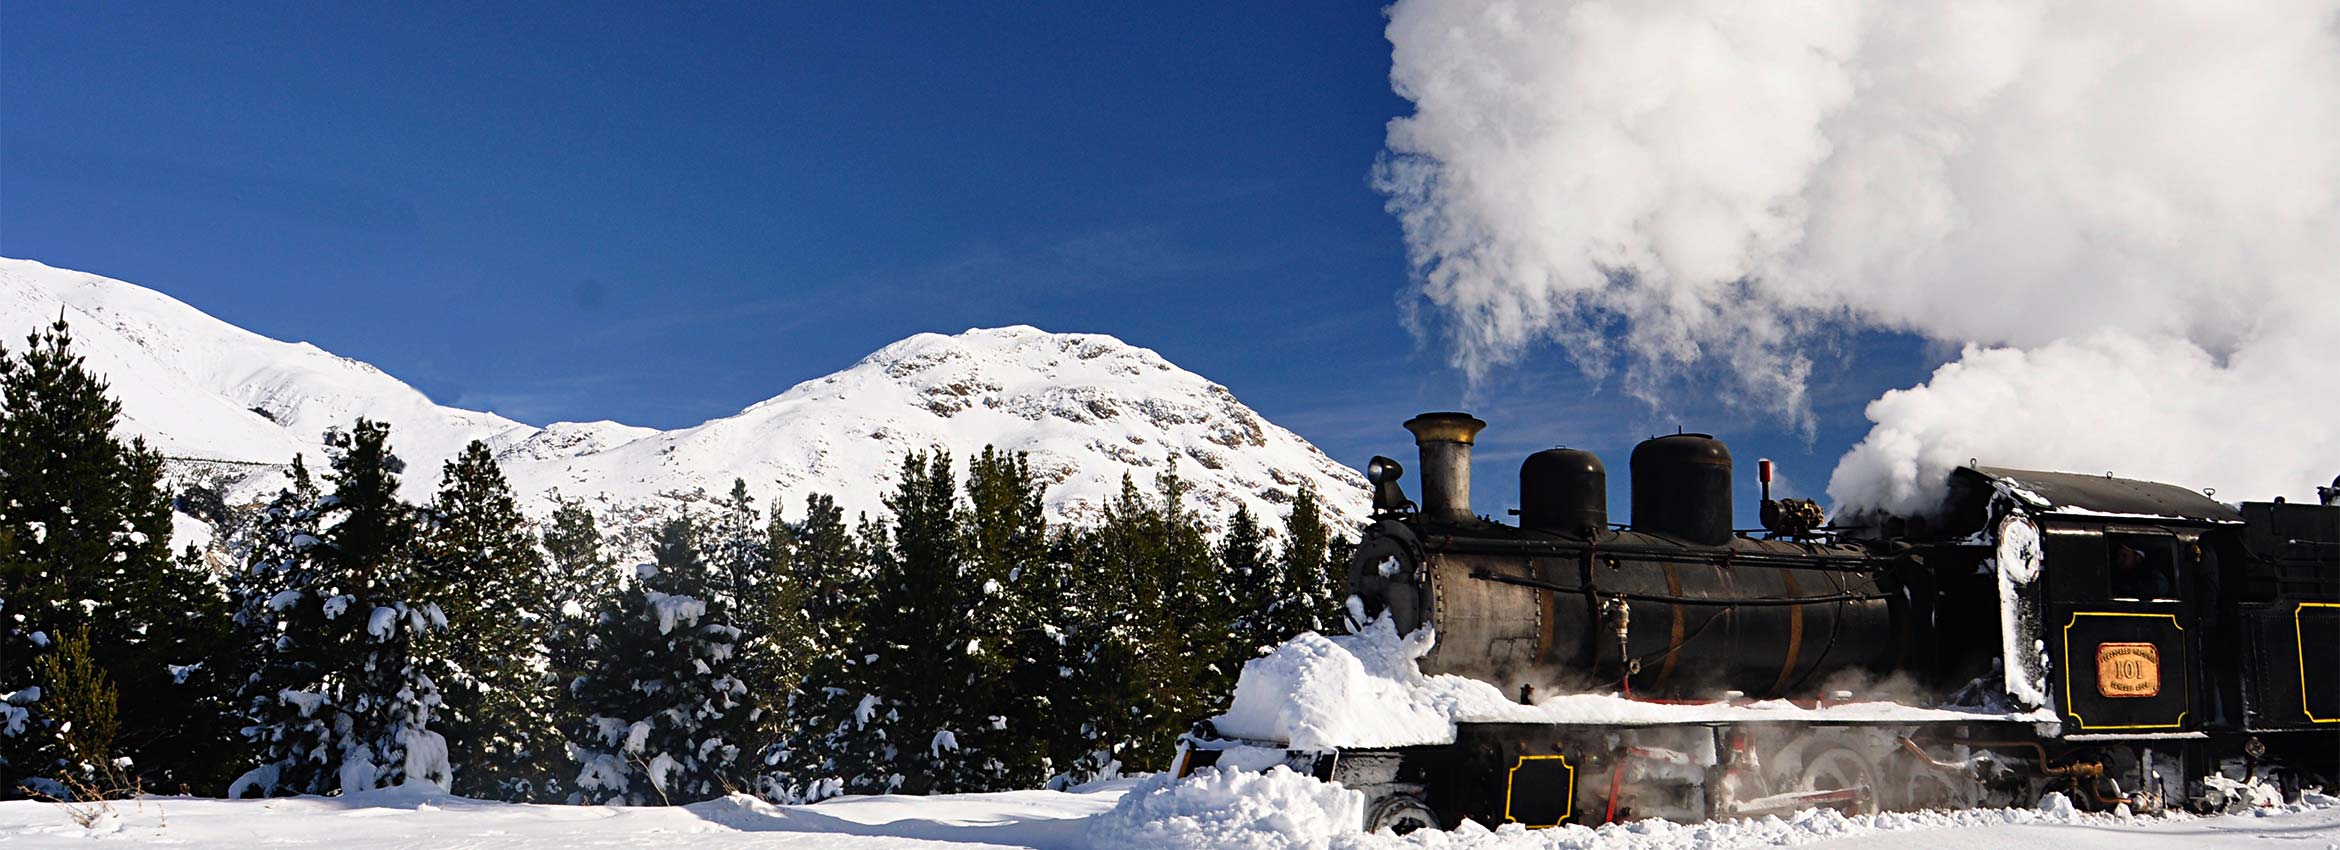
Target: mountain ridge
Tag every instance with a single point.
(1087, 408)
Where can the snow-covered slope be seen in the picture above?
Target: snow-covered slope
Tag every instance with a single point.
(1087, 407)
(198, 387)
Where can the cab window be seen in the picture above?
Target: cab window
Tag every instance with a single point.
(2143, 566)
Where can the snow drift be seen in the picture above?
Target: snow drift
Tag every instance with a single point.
(2124, 211)
(1367, 690)
(1217, 809)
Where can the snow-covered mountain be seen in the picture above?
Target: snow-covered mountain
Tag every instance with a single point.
(197, 387)
(1088, 408)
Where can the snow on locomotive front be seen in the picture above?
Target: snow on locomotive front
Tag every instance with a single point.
(1677, 605)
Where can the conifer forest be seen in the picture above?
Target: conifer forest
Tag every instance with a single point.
(348, 640)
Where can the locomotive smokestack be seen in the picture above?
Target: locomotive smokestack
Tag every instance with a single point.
(1445, 440)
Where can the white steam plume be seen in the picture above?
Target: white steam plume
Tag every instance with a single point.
(2129, 211)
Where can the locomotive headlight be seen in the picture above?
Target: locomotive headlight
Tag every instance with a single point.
(1384, 474)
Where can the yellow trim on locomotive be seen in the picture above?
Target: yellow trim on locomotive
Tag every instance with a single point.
(2299, 647)
(2074, 713)
(1567, 799)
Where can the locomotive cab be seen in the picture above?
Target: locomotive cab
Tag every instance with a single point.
(2116, 601)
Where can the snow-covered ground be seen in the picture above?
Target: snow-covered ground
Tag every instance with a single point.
(2312, 826)
(1211, 811)
(404, 818)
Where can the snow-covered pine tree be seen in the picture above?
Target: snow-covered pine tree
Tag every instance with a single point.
(1187, 576)
(729, 557)
(821, 555)
(1251, 591)
(835, 738)
(1310, 571)
(288, 641)
(767, 608)
(1094, 686)
(887, 714)
(784, 609)
(737, 546)
(341, 702)
(17, 690)
(581, 581)
(1134, 671)
(917, 628)
(87, 528)
(665, 716)
(481, 566)
(1013, 598)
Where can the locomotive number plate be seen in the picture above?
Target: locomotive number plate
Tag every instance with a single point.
(2128, 670)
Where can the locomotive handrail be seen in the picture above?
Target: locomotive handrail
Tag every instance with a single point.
(1815, 561)
(1684, 600)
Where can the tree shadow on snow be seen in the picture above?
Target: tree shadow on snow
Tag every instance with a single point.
(1041, 830)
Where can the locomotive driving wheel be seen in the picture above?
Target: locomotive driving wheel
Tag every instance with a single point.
(1842, 769)
(1400, 814)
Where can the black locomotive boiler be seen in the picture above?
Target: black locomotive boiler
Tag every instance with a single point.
(2125, 643)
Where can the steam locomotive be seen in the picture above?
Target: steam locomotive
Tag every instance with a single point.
(2120, 642)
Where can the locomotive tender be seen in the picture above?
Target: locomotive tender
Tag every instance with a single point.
(2126, 643)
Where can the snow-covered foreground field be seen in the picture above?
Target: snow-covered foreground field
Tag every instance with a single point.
(1247, 811)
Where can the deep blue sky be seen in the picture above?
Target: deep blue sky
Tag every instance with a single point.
(661, 214)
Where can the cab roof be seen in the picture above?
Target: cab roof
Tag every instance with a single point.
(2075, 494)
